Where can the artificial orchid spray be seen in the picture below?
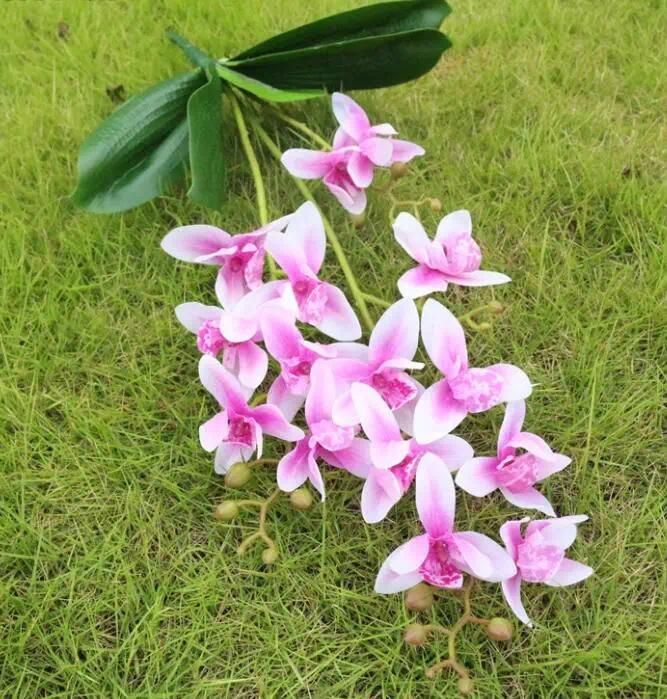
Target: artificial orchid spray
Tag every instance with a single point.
(336, 402)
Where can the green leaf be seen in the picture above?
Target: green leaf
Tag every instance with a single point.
(139, 150)
(262, 90)
(193, 53)
(375, 20)
(206, 158)
(366, 63)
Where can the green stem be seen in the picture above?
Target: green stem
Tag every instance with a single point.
(331, 235)
(300, 126)
(376, 300)
(254, 168)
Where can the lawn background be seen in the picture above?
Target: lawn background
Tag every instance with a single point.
(546, 120)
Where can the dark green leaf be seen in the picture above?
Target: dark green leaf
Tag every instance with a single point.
(352, 65)
(194, 54)
(262, 90)
(206, 158)
(375, 20)
(140, 149)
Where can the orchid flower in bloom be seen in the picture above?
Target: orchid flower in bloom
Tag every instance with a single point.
(391, 348)
(441, 556)
(237, 430)
(395, 460)
(540, 557)
(358, 147)
(452, 258)
(300, 253)
(336, 445)
(512, 473)
(296, 357)
(463, 390)
(240, 257)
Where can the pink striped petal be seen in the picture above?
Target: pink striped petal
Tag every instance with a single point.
(510, 533)
(384, 130)
(339, 320)
(288, 403)
(380, 493)
(222, 385)
(228, 454)
(306, 234)
(351, 117)
(444, 339)
(253, 364)
(193, 315)
(377, 150)
(437, 413)
(281, 337)
(273, 422)
(375, 415)
(516, 385)
(501, 566)
(214, 431)
(410, 555)
(412, 237)
(354, 459)
(454, 224)
(569, 573)
(322, 393)
(389, 582)
(352, 199)
(189, 243)
(292, 469)
(529, 499)
(421, 281)
(478, 278)
(548, 468)
(396, 334)
(478, 476)
(453, 451)
(512, 593)
(404, 151)
(360, 169)
(533, 444)
(515, 413)
(436, 498)
(306, 164)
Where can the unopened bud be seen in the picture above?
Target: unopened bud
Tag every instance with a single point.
(238, 475)
(398, 170)
(269, 556)
(466, 686)
(301, 499)
(358, 220)
(226, 511)
(499, 629)
(415, 635)
(419, 597)
(435, 204)
(496, 307)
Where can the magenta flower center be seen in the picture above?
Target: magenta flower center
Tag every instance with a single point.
(517, 472)
(394, 387)
(209, 338)
(241, 431)
(405, 471)
(438, 567)
(463, 253)
(311, 297)
(538, 561)
(236, 263)
(477, 389)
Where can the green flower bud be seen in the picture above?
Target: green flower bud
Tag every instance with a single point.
(496, 307)
(226, 511)
(301, 499)
(466, 686)
(269, 556)
(398, 170)
(499, 629)
(436, 204)
(238, 475)
(415, 635)
(419, 597)
(358, 220)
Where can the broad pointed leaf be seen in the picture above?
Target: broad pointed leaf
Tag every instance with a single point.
(374, 20)
(139, 150)
(262, 90)
(205, 130)
(377, 61)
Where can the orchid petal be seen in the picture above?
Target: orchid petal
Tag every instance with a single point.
(502, 566)
(569, 573)
(339, 319)
(384, 130)
(510, 533)
(436, 497)
(412, 237)
(281, 337)
(287, 402)
(322, 393)
(529, 499)
(354, 459)
(351, 117)
(253, 364)
(306, 232)
(515, 413)
(188, 243)
(444, 339)
(515, 384)
(306, 164)
(314, 475)
(360, 169)
(222, 385)
(353, 201)
(273, 422)
(410, 555)
(404, 151)
(454, 451)
(478, 277)
(292, 469)
(214, 431)
(512, 593)
(421, 281)
(544, 469)
(374, 414)
(228, 454)
(377, 150)
(396, 334)
(453, 224)
(437, 412)
(478, 476)
(533, 444)
(380, 493)
(193, 315)
(384, 455)
(388, 581)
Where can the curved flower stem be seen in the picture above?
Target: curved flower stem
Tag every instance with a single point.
(254, 168)
(331, 234)
(376, 300)
(469, 317)
(261, 532)
(300, 126)
(467, 617)
(261, 462)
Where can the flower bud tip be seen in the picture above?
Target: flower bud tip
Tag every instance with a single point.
(398, 170)
(358, 220)
(466, 686)
(301, 499)
(238, 475)
(435, 204)
(415, 635)
(499, 629)
(269, 556)
(419, 597)
(226, 511)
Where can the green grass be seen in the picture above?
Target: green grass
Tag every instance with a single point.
(546, 120)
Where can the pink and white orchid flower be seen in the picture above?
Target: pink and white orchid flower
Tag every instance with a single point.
(358, 147)
(514, 474)
(391, 348)
(540, 557)
(336, 445)
(452, 258)
(441, 556)
(240, 257)
(463, 390)
(237, 430)
(296, 357)
(245, 359)
(395, 460)
(300, 253)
